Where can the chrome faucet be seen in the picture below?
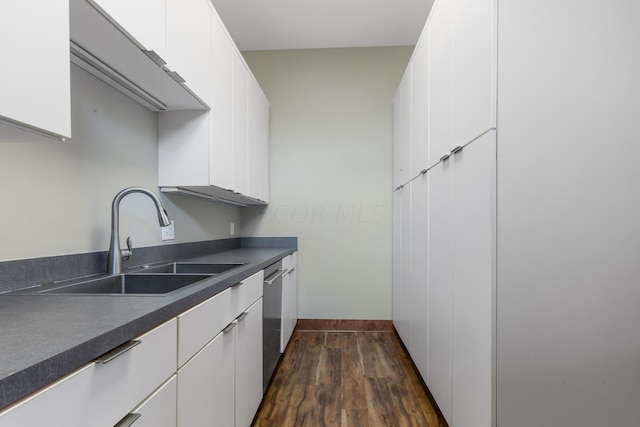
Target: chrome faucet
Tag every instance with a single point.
(116, 255)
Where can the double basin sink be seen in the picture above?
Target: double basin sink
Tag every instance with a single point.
(156, 280)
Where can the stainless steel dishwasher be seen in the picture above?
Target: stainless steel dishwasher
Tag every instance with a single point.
(272, 320)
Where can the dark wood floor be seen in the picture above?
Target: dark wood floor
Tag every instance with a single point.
(346, 379)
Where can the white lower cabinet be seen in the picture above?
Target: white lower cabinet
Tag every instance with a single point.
(220, 355)
(248, 364)
(102, 393)
(289, 299)
(206, 384)
(216, 348)
(158, 410)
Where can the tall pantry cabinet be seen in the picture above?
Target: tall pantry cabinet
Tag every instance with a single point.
(444, 281)
(522, 307)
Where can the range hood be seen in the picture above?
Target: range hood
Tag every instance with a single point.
(102, 48)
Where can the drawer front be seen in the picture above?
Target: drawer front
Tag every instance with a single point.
(246, 293)
(199, 325)
(159, 409)
(102, 394)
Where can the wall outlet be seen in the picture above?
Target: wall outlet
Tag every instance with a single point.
(232, 229)
(168, 232)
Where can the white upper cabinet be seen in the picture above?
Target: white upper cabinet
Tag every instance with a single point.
(109, 49)
(189, 44)
(402, 131)
(221, 153)
(257, 141)
(35, 84)
(239, 108)
(397, 137)
(440, 41)
(144, 20)
(474, 69)
(420, 106)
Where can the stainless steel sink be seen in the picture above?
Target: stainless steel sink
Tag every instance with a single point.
(129, 284)
(189, 268)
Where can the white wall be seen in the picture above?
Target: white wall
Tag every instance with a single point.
(330, 173)
(56, 196)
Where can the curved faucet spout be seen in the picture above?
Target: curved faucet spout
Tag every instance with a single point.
(115, 256)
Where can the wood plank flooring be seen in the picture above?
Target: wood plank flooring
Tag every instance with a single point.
(346, 379)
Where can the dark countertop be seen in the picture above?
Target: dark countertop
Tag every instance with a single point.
(44, 337)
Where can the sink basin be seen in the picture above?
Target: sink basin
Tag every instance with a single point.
(129, 284)
(189, 268)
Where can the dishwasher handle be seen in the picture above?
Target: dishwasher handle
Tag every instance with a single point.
(275, 276)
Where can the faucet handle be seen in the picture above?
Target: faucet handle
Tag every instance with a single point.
(126, 253)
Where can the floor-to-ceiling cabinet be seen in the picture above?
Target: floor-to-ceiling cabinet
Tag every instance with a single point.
(532, 231)
(444, 307)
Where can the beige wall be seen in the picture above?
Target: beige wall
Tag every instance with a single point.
(56, 196)
(330, 160)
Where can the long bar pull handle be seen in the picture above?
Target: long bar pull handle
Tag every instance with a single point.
(155, 57)
(118, 351)
(128, 420)
(230, 327)
(275, 276)
(242, 316)
(456, 149)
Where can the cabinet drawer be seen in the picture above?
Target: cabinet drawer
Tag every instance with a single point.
(101, 394)
(246, 292)
(199, 325)
(159, 409)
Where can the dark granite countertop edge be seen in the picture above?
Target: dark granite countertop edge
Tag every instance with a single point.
(16, 385)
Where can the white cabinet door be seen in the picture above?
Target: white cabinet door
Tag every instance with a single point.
(396, 262)
(248, 364)
(419, 281)
(402, 131)
(221, 153)
(257, 139)
(473, 246)
(401, 289)
(397, 138)
(474, 69)
(440, 39)
(144, 20)
(440, 309)
(289, 299)
(420, 106)
(35, 84)
(407, 96)
(189, 44)
(240, 98)
(159, 409)
(206, 385)
(198, 325)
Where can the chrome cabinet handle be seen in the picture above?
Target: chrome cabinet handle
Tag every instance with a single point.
(230, 327)
(128, 420)
(456, 149)
(444, 157)
(242, 316)
(235, 285)
(118, 351)
(152, 55)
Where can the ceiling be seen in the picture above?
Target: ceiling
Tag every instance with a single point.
(307, 24)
